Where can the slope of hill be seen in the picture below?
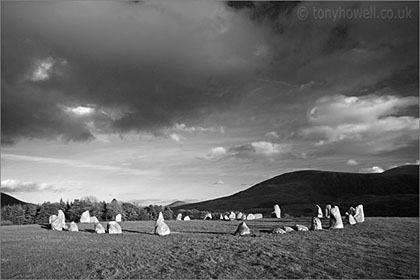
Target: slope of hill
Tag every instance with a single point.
(392, 193)
(10, 200)
(177, 203)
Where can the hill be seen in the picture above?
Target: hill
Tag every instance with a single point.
(177, 204)
(10, 200)
(392, 193)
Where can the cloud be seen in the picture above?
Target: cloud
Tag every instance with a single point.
(253, 150)
(79, 164)
(175, 137)
(352, 162)
(181, 127)
(377, 121)
(158, 64)
(374, 169)
(15, 186)
(216, 153)
(219, 182)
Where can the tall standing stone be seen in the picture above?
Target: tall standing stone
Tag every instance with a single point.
(335, 218)
(85, 218)
(161, 228)
(277, 211)
(179, 217)
(360, 214)
(319, 215)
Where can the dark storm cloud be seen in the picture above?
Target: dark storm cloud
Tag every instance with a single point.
(151, 63)
(147, 66)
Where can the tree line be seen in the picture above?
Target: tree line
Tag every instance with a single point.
(20, 214)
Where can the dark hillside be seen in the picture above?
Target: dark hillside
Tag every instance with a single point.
(392, 193)
(10, 200)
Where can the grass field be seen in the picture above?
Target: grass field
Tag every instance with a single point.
(378, 248)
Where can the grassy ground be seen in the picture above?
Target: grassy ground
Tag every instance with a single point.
(378, 248)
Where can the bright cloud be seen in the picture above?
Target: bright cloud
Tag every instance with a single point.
(373, 169)
(262, 149)
(352, 162)
(266, 148)
(45, 67)
(371, 119)
(175, 137)
(216, 152)
(15, 186)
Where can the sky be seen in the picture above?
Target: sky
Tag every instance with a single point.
(158, 101)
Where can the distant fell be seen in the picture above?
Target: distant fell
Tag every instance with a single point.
(177, 203)
(10, 200)
(392, 193)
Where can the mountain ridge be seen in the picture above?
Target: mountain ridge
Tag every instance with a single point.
(391, 193)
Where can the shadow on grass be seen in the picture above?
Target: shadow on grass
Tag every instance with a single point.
(205, 232)
(46, 226)
(136, 231)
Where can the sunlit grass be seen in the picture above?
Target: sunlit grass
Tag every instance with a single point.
(378, 248)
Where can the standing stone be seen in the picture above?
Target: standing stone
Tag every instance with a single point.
(327, 211)
(179, 217)
(57, 224)
(208, 216)
(221, 217)
(250, 216)
(232, 216)
(187, 218)
(61, 215)
(278, 231)
(93, 220)
(99, 228)
(52, 218)
(85, 218)
(335, 218)
(360, 215)
(258, 216)
(114, 228)
(73, 227)
(242, 229)
(319, 211)
(316, 224)
(161, 228)
(240, 216)
(226, 218)
(118, 218)
(300, 228)
(352, 221)
(277, 211)
(288, 229)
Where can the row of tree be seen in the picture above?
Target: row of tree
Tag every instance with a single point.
(38, 214)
